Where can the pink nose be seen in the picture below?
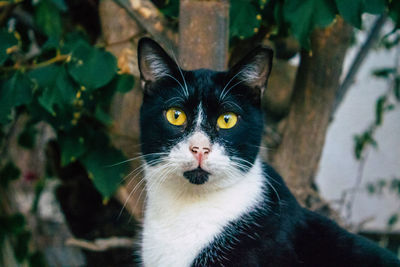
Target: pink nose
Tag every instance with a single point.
(200, 147)
(200, 153)
(196, 150)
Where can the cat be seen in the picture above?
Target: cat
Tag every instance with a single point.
(211, 201)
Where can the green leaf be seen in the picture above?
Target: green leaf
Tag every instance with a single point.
(379, 108)
(92, 67)
(73, 145)
(102, 115)
(396, 88)
(371, 188)
(305, 15)
(60, 4)
(352, 10)
(14, 92)
(59, 89)
(394, 12)
(37, 259)
(383, 72)
(46, 76)
(100, 164)
(124, 83)
(393, 220)
(13, 224)
(374, 6)
(245, 19)
(48, 18)
(52, 43)
(8, 41)
(9, 173)
(21, 248)
(171, 9)
(17, 223)
(27, 137)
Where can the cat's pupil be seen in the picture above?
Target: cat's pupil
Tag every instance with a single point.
(226, 118)
(176, 115)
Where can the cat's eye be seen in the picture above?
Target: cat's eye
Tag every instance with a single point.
(227, 120)
(176, 116)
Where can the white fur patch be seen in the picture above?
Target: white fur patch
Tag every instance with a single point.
(182, 218)
(200, 117)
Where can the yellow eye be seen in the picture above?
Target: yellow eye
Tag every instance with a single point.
(227, 120)
(176, 116)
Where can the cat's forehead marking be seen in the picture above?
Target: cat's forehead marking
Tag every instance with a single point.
(200, 116)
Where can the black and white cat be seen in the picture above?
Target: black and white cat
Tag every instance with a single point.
(211, 201)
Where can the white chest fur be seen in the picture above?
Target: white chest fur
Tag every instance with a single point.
(178, 226)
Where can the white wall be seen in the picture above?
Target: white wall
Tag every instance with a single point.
(338, 167)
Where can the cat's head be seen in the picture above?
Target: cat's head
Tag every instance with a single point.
(200, 128)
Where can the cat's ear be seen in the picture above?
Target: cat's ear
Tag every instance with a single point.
(154, 62)
(254, 69)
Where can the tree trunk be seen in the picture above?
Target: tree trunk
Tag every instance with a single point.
(204, 34)
(315, 88)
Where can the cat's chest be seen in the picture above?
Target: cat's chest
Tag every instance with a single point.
(176, 230)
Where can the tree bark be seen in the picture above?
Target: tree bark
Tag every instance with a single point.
(203, 34)
(315, 89)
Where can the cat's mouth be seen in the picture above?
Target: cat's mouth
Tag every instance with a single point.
(197, 176)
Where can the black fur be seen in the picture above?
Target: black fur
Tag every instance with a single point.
(196, 176)
(279, 232)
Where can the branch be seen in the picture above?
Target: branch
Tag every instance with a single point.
(101, 244)
(58, 58)
(357, 62)
(149, 18)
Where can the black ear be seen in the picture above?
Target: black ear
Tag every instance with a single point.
(254, 69)
(154, 62)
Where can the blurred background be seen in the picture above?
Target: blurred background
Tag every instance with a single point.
(71, 188)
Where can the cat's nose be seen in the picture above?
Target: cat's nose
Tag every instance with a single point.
(200, 147)
(200, 152)
(204, 150)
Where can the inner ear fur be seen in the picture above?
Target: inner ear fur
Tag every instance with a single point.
(254, 69)
(154, 62)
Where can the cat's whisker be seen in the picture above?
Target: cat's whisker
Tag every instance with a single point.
(222, 92)
(233, 86)
(262, 147)
(137, 186)
(129, 175)
(180, 84)
(178, 98)
(273, 188)
(227, 102)
(183, 77)
(137, 157)
(163, 179)
(150, 185)
(140, 169)
(141, 192)
(129, 196)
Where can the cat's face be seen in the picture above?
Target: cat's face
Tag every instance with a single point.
(200, 128)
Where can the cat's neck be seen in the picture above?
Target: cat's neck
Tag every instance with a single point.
(178, 225)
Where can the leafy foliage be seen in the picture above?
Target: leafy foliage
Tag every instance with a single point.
(8, 173)
(245, 19)
(69, 84)
(14, 227)
(381, 186)
(296, 17)
(318, 13)
(385, 103)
